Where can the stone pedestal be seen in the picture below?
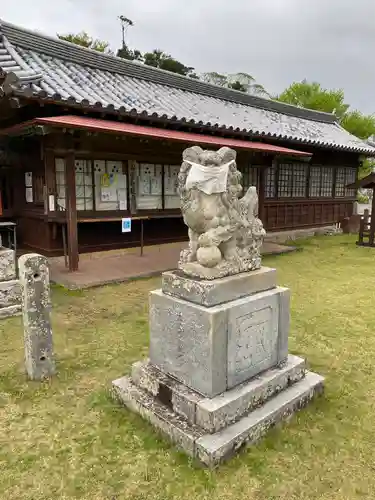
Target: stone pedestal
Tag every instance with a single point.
(10, 289)
(219, 373)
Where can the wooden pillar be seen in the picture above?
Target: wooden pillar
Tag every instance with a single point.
(261, 194)
(71, 211)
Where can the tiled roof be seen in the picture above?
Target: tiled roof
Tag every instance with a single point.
(49, 68)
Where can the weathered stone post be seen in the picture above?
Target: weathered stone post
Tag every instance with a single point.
(36, 306)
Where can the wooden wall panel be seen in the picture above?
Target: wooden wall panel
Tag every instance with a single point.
(299, 214)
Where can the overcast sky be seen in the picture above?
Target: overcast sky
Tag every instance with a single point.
(276, 41)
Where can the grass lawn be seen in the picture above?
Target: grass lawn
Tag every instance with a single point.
(65, 439)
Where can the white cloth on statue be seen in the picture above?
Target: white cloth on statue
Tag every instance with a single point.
(209, 179)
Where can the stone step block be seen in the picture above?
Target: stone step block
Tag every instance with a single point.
(212, 449)
(10, 293)
(7, 264)
(220, 411)
(180, 432)
(211, 293)
(7, 312)
(167, 390)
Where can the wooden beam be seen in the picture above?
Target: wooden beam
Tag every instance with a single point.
(71, 211)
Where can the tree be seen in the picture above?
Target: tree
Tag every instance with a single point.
(131, 55)
(159, 59)
(242, 82)
(84, 40)
(215, 79)
(358, 124)
(313, 96)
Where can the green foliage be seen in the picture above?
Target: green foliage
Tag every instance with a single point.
(362, 126)
(313, 96)
(131, 55)
(367, 166)
(159, 59)
(84, 40)
(362, 198)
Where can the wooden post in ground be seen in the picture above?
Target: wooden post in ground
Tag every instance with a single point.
(372, 223)
(71, 211)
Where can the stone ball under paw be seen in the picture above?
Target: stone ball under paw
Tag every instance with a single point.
(208, 256)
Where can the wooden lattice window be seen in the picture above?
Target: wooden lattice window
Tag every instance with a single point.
(351, 175)
(326, 182)
(321, 181)
(292, 180)
(60, 184)
(149, 192)
(344, 176)
(84, 185)
(299, 181)
(270, 184)
(315, 181)
(171, 196)
(249, 177)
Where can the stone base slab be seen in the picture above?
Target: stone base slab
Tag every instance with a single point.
(210, 293)
(212, 449)
(225, 409)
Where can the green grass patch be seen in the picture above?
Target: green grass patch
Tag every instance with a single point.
(67, 439)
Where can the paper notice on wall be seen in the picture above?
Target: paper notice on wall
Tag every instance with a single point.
(109, 193)
(123, 205)
(51, 203)
(28, 179)
(29, 194)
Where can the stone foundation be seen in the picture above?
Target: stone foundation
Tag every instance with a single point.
(10, 289)
(219, 374)
(213, 429)
(295, 234)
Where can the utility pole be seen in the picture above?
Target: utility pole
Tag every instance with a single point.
(125, 23)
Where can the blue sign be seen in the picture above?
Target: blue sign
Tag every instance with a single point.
(126, 225)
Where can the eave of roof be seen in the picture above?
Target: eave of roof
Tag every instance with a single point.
(262, 117)
(121, 128)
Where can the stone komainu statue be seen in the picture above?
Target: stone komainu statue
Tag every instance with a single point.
(224, 230)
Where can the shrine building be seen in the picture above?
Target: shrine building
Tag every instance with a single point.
(87, 139)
